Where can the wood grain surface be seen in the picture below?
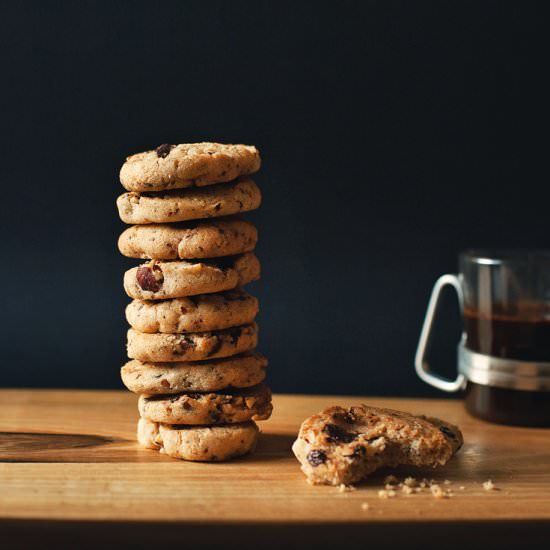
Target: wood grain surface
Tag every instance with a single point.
(71, 456)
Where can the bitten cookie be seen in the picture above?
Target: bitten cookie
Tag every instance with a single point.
(194, 313)
(192, 346)
(199, 443)
(242, 195)
(225, 407)
(188, 165)
(342, 446)
(161, 280)
(240, 371)
(209, 239)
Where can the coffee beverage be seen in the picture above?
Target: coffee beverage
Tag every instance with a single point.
(523, 334)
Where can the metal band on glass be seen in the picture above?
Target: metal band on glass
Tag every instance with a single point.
(503, 373)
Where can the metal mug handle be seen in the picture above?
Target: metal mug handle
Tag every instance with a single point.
(420, 363)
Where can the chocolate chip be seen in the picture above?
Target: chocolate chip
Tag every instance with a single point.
(185, 344)
(234, 334)
(163, 150)
(446, 431)
(150, 279)
(336, 434)
(316, 457)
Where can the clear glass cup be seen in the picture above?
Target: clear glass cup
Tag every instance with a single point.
(504, 352)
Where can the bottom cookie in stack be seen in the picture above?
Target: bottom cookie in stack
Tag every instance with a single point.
(200, 410)
(199, 443)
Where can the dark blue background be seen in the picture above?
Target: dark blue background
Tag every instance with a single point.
(393, 135)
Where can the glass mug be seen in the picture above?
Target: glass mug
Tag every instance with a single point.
(504, 353)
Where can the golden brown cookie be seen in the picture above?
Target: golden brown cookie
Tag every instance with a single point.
(188, 241)
(157, 280)
(199, 443)
(193, 314)
(188, 165)
(242, 195)
(342, 446)
(239, 371)
(224, 407)
(192, 346)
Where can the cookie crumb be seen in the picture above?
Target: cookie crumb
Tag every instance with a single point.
(390, 480)
(385, 493)
(447, 482)
(437, 491)
(461, 488)
(489, 485)
(409, 482)
(342, 488)
(365, 506)
(407, 490)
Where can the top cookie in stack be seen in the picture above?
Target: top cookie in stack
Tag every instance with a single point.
(193, 329)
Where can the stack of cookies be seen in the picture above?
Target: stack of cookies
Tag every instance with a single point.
(192, 338)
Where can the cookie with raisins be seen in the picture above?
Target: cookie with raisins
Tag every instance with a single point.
(188, 165)
(342, 446)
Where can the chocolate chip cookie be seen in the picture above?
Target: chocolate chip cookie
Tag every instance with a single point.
(224, 407)
(193, 314)
(192, 346)
(191, 240)
(239, 371)
(199, 443)
(342, 446)
(158, 280)
(188, 165)
(225, 199)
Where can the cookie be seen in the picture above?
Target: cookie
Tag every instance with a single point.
(225, 407)
(200, 443)
(161, 280)
(192, 346)
(239, 371)
(242, 195)
(187, 241)
(193, 314)
(188, 165)
(342, 446)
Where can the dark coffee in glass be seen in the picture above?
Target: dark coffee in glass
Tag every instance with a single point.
(520, 334)
(504, 354)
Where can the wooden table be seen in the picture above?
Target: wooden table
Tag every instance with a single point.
(69, 461)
